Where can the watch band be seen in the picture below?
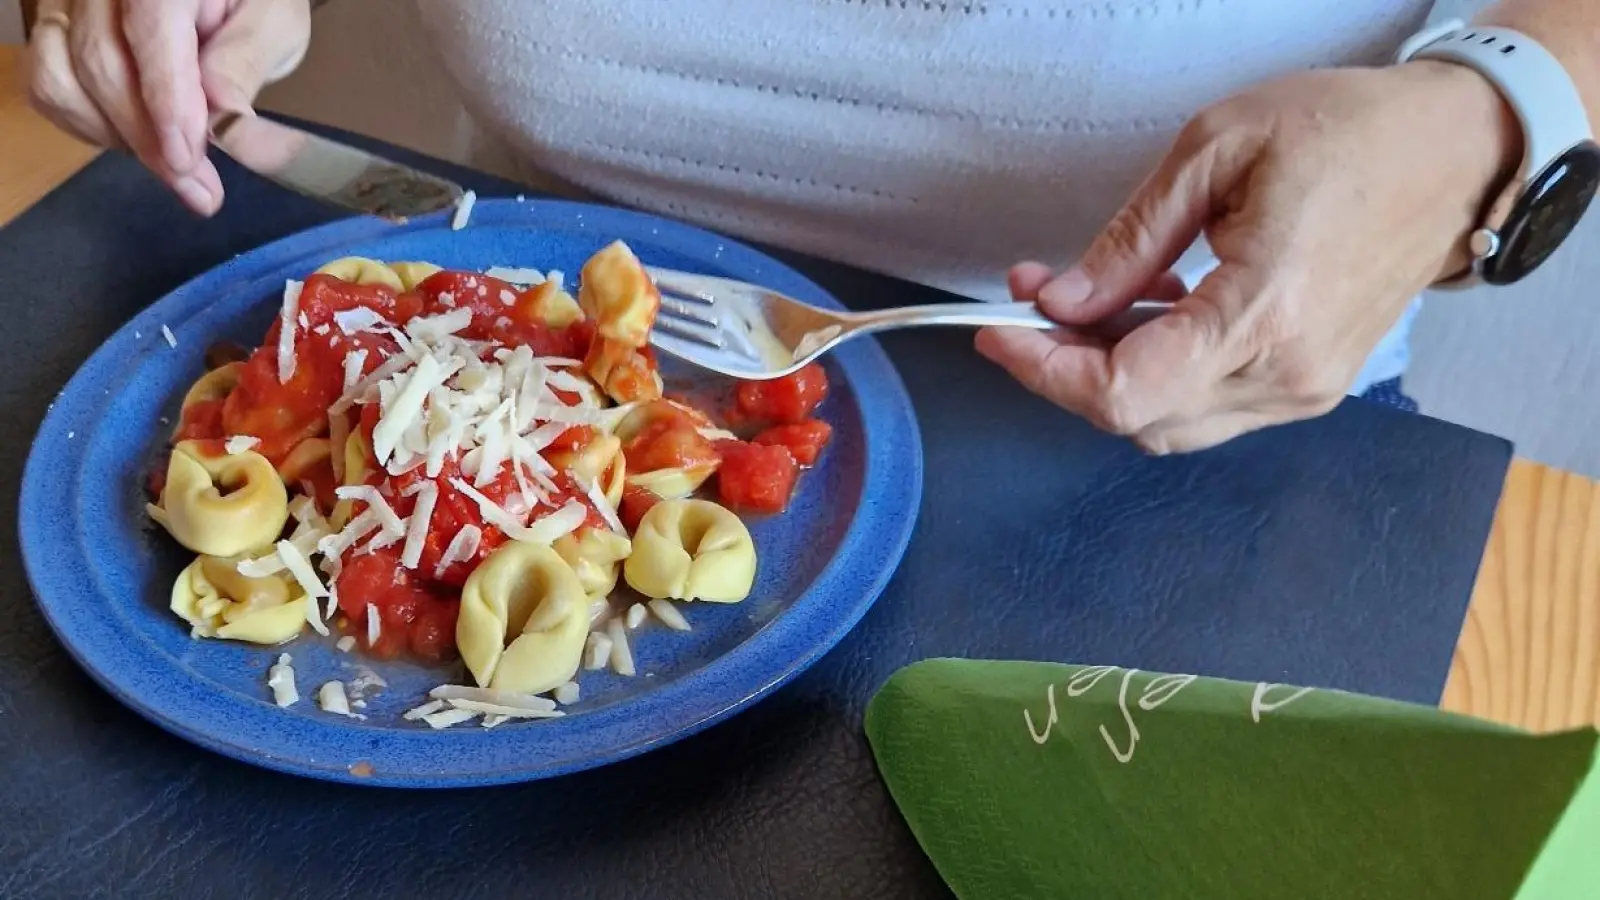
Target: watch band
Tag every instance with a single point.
(1531, 80)
(1560, 165)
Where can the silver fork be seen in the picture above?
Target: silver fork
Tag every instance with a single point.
(746, 331)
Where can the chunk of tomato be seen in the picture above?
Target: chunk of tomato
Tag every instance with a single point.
(433, 632)
(636, 501)
(783, 401)
(804, 440)
(756, 477)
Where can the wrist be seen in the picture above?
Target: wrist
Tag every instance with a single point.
(1483, 153)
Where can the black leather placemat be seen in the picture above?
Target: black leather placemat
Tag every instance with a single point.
(1336, 553)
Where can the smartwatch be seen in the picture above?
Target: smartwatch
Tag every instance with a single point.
(1560, 169)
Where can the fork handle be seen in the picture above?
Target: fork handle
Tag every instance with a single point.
(1016, 315)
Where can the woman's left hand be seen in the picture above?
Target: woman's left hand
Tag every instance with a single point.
(1331, 199)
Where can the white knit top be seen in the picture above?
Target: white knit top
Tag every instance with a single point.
(936, 141)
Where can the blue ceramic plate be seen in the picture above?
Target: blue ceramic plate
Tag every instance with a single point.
(102, 572)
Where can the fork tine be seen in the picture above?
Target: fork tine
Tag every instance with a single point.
(698, 289)
(701, 311)
(692, 331)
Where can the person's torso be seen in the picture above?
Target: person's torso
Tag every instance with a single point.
(938, 141)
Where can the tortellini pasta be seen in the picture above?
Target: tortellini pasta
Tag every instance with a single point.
(594, 555)
(412, 274)
(360, 270)
(672, 483)
(617, 293)
(358, 468)
(552, 306)
(306, 456)
(218, 602)
(590, 461)
(691, 550)
(219, 503)
(216, 384)
(523, 621)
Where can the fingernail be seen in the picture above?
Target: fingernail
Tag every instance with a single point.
(1070, 288)
(197, 195)
(176, 149)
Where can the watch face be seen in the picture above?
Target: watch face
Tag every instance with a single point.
(1546, 212)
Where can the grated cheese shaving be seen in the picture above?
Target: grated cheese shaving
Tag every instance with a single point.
(407, 406)
(635, 615)
(366, 493)
(423, 711)
(300, 567)
(421, 517)
(603, 506)
(166, 334)
(453, 693)
(239, 443)
(462, 548)
(433, 328)
(287, 317)
(491, 511)
(669, 614)
(261, 566)
(353, 363)
(510, 712)
(597, 652)
(555, 526)
(463, 213)
(374, 626)
(345, 643)
(515, 275)
(359, 527)
(332, 699)
(359, 319)
(621, 653)
(449, 717)
(280, 679)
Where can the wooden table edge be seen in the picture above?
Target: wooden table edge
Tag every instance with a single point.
(1529, 650)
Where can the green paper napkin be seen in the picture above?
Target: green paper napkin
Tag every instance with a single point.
(1026, 780)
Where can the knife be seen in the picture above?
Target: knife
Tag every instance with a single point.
(332, 172)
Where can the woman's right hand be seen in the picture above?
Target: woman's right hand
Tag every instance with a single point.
(148, 76)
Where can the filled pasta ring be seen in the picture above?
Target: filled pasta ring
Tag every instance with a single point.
(594, 555)
(672, 484)
(550, 306)
(523, 621)
(218, 602)
(616, 480)
(360, 270)
(591, 461)
(691, 550)
(219, 503)
(214, 385)
(622, 372)
(615, 291)
(306, 456)
(412, 274)
(664, 420)
(359, 468)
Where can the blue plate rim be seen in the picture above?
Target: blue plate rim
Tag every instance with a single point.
(869, 551)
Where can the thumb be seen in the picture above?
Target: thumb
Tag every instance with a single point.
(260, 42)
(1136, 250)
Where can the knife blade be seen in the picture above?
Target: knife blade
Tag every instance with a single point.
(327, 170)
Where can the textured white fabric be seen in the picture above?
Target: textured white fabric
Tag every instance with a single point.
(936, 141)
